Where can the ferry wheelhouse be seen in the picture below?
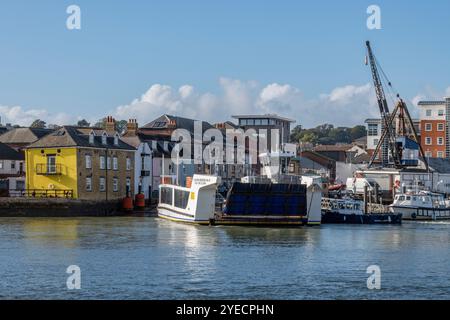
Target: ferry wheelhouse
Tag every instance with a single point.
(194, 204)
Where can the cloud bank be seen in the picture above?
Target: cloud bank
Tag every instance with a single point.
(346, 105)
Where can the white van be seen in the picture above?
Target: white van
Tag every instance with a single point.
(356, 185)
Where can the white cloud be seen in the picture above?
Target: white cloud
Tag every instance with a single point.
(24, 117)
(346, 105)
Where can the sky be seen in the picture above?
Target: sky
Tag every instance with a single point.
(210, 60)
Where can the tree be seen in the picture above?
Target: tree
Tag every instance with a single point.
(121, 126)
(83, 123)
(38, 123)
(100, 123)
(358, 132)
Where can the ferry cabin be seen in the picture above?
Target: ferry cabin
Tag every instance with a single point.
(80, 163)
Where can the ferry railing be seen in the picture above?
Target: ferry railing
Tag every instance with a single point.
(41, 193)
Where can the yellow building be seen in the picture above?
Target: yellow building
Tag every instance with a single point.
(80, 163)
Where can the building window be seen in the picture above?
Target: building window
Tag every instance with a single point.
(1, 164)
(440, 112)
(265, 122)
(128, 164)
(375, 142)
(116, 139)
(102, 184)
(115, 163)
(440, 154)
(108, 163)
(91, 137)
(428, 154)
(51, 163)
(88, 161)
(88, 184)
(251, 122)
(102, 162)
(372, 129)
(258, 122)
(440, 127)
(13, 165)
(440, 141)
(115, 184)
(428, 126)
(104, 138)
(428, 113)
(428, 141)
(128, 184)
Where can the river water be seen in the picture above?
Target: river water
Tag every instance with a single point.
(150, 258)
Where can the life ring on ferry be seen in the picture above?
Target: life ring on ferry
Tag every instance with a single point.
(397, 184)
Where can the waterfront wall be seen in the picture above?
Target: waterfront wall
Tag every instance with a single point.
(58, 207)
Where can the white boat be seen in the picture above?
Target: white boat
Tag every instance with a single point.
(422, 205)
(192, 205)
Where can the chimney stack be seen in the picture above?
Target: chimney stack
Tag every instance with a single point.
(132, 127)
(110, 125)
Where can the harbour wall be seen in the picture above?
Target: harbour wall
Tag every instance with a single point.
(58, 207)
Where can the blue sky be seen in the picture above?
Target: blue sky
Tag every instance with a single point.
(131, 58)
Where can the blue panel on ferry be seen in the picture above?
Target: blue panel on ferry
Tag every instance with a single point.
(245, 199)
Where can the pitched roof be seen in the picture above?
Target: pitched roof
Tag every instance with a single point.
(70, 136)
(335, 147)
(180, 122)
(440, 165)
(23, 135)
(8, 153)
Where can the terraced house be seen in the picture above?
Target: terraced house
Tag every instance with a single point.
(80, 163)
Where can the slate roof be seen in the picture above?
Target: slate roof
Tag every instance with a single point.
(8, 153)
(440, 165)
(335, 147)
(70, 136)
(24, 135)
(181, 123)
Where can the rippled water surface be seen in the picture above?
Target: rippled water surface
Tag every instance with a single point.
(149, 258)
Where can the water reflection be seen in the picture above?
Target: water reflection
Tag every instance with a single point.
(51, 231)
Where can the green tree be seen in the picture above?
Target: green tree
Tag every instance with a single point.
(83, 123)
(38, 123)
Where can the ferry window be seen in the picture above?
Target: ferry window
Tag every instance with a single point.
(258, 122)
(401, 198)
(265, 122)
(166, 196)
(251, 122)
(181, 199)
(414, 198)
(408, 198)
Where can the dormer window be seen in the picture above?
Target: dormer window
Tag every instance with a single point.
(116, 139)
(104, 138)
(91, 137)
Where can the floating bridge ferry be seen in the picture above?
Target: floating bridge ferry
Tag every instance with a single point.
(275, 199)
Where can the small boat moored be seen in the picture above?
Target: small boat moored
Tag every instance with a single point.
(422, 206)
(352, 211)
